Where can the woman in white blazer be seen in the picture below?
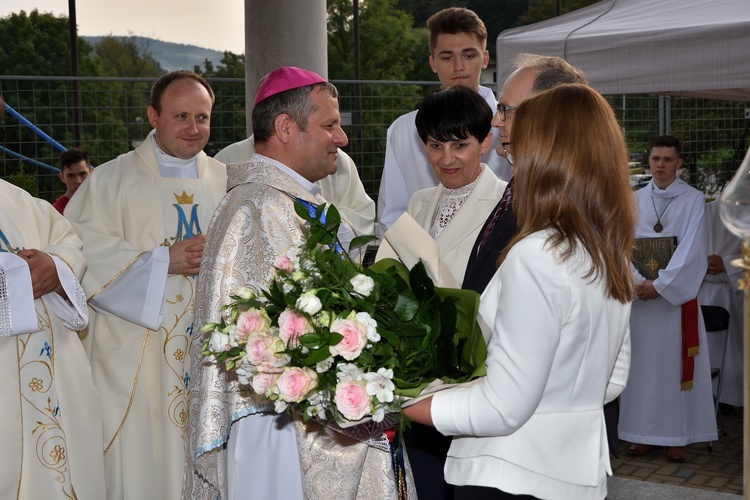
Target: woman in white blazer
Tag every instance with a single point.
(455, 125)
(558, 307)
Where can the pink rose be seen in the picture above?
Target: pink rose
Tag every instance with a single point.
(352, 399)
(295, 383)
(251, 321)
(262, 382)
(292, 325)
(355, 337)
(258, 349)
(284, 263)
(265, 351)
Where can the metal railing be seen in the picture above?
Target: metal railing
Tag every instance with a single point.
(713, 133)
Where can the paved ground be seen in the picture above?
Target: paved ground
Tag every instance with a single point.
(716, 471)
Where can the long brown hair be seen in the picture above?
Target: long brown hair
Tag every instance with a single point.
(572, 177)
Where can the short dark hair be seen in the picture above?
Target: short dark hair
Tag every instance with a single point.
(160, 86)
(666, 141)
(455, 20)
(454, 114)
(294, 102)
(72, 156)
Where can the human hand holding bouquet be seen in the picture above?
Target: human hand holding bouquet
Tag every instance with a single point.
(342, 343)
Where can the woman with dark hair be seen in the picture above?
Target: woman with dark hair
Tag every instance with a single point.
(455, 126)
(558, 307)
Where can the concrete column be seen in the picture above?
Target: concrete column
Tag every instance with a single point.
(283, 33)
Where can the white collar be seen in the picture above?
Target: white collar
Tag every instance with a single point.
(171, 166)
(313, 188)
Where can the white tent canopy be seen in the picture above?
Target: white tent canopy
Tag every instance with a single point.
(697, 48)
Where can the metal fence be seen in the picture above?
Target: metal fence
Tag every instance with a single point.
(114, 121)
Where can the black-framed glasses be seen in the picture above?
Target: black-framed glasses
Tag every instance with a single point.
(508, 154)
(504, 110)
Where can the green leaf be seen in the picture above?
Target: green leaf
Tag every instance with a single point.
(316, 356)
(310, 340)
(333, 219)
(420, 282)
(301, 210)
(361, 241)
(335, 338)
(406, 307)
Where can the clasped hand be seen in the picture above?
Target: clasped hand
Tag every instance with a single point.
(646, 291)
(44, 278)
(185, 256)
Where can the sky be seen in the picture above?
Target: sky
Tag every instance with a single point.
(219, 26)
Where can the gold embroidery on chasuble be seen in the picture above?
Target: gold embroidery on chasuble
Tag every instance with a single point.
(177, 326)
(40, 408)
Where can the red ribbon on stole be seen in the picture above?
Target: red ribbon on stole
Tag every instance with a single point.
(690, 349)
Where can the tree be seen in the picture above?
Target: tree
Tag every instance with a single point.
(126, 57)
(386, 39)
(387, 47)
(228, 117)
(37, 44)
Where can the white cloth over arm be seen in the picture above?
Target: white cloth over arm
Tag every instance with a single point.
(17, 312)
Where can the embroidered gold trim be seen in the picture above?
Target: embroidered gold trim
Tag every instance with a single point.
(20, 406)
(132, 393)
(115, 276)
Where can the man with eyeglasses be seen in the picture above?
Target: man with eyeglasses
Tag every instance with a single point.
(458, 54)
(533, 74)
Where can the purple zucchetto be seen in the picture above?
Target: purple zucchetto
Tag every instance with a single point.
(283, 79)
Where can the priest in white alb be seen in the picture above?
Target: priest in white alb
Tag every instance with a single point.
(721, 288)
(50, 414)
(668, 397)
(141, 218)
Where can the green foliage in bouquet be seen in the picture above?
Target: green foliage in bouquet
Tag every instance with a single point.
(344, 342)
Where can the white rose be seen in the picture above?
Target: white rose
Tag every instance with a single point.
(219, 341)
(370, 324)
(348, 371)
(324, 365)
(244, 293)
(309, 302)
(362, 285)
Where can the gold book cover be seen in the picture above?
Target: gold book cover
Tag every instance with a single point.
(652, 254)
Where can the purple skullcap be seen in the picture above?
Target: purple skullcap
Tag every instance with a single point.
(283, 79)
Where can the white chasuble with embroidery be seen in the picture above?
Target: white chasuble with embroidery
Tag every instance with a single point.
(122, 213)
(252, 226)
(50, 415)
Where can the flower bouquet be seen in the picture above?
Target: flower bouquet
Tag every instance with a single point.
(341, 343)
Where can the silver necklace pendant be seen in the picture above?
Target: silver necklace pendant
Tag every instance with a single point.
(658, 227)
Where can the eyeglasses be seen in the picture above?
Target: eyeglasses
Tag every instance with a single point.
(508, 154)
(504, 110)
